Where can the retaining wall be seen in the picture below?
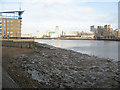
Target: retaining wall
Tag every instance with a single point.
(18, 44)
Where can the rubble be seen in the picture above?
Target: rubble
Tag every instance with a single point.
(61, 68)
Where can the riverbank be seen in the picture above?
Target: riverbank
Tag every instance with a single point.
(78, 39)
(48, 66)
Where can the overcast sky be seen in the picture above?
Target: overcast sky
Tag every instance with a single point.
(70, 15)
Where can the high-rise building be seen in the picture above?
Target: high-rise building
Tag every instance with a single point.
(108, 32)
(93, 29)
(57, 30)
(10, 23)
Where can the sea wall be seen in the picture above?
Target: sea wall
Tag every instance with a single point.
(18, 43)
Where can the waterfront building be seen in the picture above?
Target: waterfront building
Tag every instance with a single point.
(70, 34)
(39, 34)
(47, 33)
(87, 35)
(103, 32)
(57, 31)
(108, 32)
(93, 29)
(100, 32)
(26, 35)
(117, 33)
(10, 23)
(53, 35)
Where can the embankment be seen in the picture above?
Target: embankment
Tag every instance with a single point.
(19, 43)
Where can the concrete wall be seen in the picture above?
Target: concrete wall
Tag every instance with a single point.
(18, 44)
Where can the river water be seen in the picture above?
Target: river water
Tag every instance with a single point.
(102, 49)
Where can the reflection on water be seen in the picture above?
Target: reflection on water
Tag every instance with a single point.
(103, 49)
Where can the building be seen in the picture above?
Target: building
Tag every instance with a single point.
(10, 23)
(103, 32)
(108, 32)
(39, 34)
(57, 31)
(69, 34)
(87, 35)
(26, 35)
(117, 33)
(93, 29)
(100, 32)
(53, 34)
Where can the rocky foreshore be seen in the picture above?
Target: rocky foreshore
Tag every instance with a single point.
(51, 67)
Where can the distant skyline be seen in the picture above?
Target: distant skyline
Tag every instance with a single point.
(69, 15)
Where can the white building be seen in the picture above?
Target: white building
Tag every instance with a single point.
(26, 35)
(87, 35)
(70, 33)
(39, 34)
(57, 31)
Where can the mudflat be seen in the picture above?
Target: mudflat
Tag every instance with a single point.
(46, 66)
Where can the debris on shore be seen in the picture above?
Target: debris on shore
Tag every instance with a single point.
(53, 67)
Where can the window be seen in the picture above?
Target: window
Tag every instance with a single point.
(7, 28)
(11, 20)
(7, 32)
(11, 28)
(4, 21)
(4, 25)
(18, 28)
(18, 32)
(11, 35)
(7, 24)
(11, 25)
(0, 21)
(18, 21)
(7, 20)
(0, 30)
(11, 32)
(18, 25)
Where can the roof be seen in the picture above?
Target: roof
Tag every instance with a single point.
(20, 11)
(51, 32)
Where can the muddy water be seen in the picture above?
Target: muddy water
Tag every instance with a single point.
(102, 49)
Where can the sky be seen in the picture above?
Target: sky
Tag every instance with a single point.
(69, 15)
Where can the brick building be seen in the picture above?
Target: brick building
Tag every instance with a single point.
(10, 24)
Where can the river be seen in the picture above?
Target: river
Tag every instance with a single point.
(101, 49)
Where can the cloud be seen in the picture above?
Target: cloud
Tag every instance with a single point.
(51, 2)
(68, 14)
(48, 2)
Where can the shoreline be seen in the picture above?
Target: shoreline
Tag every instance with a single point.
(78, 39)
(45, 64)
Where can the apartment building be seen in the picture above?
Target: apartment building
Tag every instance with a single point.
(10, 24)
